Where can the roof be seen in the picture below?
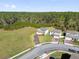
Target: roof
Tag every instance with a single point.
(56, 30)
(42, 29)
(72, 34)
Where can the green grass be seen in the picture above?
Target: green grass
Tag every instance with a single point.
(61, 41)
(76, 42)
(45, 38)
(57, 55)
(13, 42)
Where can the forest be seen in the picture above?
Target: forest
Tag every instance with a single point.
(59, 20)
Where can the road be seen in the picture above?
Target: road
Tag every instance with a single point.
(39, 50)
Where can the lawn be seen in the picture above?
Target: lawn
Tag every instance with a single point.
(15, 41)
(61, 41)
(45, 38)
(76, 42)
(57, 55)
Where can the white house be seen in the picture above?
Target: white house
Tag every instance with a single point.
(56, 32)
(70, 36)
(56, 35)
(42, 31)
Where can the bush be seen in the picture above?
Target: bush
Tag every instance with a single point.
(18, 25)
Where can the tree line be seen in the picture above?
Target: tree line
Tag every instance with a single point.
(60, 20)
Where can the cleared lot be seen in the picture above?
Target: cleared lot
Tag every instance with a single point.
(13, 42)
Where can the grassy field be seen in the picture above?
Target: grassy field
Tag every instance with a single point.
(13, 42)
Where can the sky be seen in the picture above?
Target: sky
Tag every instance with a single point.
(39, 5)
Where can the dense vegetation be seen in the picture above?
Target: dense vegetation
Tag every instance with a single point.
(61, 20)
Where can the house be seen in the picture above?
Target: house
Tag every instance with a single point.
(70, 36)
(56, 35)
(42, 31)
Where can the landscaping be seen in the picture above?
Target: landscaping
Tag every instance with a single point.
(57, 55)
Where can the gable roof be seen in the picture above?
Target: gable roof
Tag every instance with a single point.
(56, 31)
(42, 30)
(72, 34)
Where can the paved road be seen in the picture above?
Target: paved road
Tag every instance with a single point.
(39, 50)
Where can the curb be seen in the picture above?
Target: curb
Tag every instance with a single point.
(30, 49)
(19, 53)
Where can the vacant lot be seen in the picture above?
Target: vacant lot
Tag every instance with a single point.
(13, 42)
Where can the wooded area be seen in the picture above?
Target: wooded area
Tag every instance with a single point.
(60, 20)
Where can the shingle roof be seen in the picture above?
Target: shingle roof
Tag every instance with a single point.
(72, 34)
(42, 29)
(56, 32)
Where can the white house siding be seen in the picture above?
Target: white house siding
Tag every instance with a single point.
(56, 37)
(42, 31)
(51, 33)
(68, 38)
(46, 32)
(68, 41)
(39, 33)
(57, 34)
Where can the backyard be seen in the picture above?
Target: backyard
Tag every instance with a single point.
(45, 38)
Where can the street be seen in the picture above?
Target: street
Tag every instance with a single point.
(39, 50)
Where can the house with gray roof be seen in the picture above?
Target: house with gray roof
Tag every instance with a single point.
(56, 32)
(42, 31)
(56, 35)
(70, 36)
